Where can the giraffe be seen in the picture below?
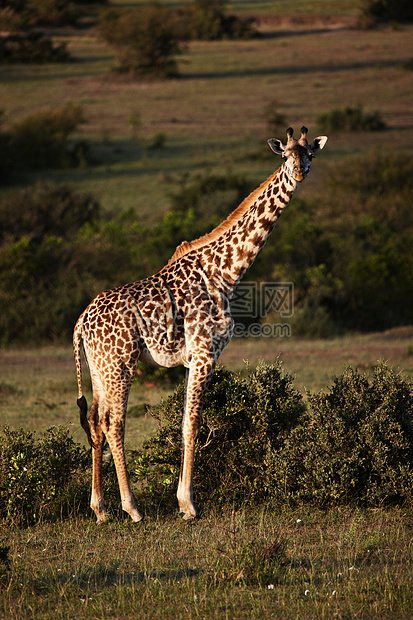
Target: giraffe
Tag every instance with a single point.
(180, 315)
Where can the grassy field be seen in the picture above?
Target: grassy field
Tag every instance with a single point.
(213, 116)
(343, 564)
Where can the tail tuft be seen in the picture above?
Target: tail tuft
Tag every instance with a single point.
(82, 404)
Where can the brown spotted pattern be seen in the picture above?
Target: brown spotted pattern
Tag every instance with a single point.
(181, 315)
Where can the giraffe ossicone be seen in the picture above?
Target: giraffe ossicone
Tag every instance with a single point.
(180, 315)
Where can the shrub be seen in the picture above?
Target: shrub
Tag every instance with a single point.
(31, 47)
(243, 422)
(210, 198)
(355, 445)
(28, 13)
(206, 20)
(8, 163)
(144, 40)
(374, 175)
(276, 122)
(47, 478)
(407, 64)
(338, 254)
(258, 443)
(41, 139)
(46, 210)
(374, 11)
(41, 479)
(350, 119)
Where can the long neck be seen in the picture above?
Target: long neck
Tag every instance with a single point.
(228, 255)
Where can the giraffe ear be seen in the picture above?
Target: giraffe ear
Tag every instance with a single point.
(318, 143)
(276, 146)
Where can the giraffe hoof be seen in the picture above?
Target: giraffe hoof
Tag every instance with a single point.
(189, 513)
(101, 519)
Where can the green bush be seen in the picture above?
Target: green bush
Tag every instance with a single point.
(407, 64)
(210, 199)
(32, 47)
(355, 445)
(47, 478)
(8, 163)
(350, 119)
(258, 443)
(46, 210)
(144, 40)
(369, 177)
(41, 479)
(244, 421)
(206, 20)
(339, 252)
(57, 249)
(41, 140)
(28, 13)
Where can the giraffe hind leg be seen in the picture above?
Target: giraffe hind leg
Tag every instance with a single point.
(114, 428)
(97, 439)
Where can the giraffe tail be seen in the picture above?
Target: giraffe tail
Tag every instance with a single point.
(81, 401)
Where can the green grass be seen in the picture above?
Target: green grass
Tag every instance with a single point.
(338, 564)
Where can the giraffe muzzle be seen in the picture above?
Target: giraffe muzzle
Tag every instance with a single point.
(299, 175)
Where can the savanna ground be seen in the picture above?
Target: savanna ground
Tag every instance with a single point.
(340, 563)
(347, 563)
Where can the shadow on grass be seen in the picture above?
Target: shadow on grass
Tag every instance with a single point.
(291, 70)
(108, 576)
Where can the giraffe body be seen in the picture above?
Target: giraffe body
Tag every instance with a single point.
(181, 315)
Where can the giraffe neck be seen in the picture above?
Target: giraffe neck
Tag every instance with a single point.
(236, 243)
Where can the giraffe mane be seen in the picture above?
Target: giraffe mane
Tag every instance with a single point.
(233, 217)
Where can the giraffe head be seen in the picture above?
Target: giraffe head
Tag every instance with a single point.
(297, 154)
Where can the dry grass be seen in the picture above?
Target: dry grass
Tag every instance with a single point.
(315, 364)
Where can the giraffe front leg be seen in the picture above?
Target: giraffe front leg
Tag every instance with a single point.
(197, 380)
(185, 490)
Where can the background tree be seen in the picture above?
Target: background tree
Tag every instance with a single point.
(374, 11)
(144, 40)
